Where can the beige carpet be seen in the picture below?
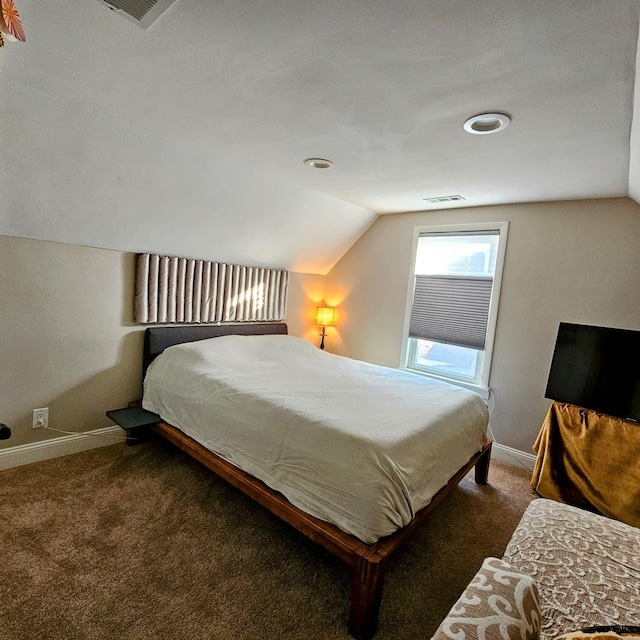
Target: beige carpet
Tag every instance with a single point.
(142, 542)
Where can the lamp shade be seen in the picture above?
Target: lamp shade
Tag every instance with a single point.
(325, 316)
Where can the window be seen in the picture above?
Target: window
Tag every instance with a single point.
(453, 301)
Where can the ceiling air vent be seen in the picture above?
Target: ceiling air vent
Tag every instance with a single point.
(141, 12)
(442, 199)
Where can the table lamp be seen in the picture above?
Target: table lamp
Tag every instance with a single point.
(325, 317)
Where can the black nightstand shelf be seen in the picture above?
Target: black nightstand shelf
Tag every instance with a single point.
(135, 421)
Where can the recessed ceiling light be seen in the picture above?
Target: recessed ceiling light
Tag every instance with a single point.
(319, 163)
(485, 123)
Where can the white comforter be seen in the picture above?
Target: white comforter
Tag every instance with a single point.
(359, 445)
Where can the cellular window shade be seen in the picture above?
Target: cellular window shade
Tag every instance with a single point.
(183, 290)
(451, 309)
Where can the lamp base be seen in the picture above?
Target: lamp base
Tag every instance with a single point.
(322, 341)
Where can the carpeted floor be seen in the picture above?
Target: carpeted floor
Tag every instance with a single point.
(143, 542)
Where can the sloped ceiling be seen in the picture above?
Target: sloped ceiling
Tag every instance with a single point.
(189, 137)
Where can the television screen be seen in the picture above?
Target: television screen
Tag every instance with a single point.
(597, 368)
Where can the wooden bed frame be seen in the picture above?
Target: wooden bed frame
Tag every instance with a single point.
(368, 562)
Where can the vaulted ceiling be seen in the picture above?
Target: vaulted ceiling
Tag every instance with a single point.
(213, 109)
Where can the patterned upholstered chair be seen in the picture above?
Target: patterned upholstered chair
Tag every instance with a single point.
(564, 569)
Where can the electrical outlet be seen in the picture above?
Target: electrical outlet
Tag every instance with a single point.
(41, 418)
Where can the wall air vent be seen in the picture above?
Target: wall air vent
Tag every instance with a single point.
(442, 199)
(141, 12)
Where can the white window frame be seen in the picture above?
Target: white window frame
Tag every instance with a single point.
(481, 383)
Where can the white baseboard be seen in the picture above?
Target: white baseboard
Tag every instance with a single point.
(57, 447)
(512, 456)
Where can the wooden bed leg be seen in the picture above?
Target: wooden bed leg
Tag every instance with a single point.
(482, 466)
(367, 581)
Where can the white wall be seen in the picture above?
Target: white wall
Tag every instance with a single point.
(566, 261)
(67, 336)
(634, 141)
(305, 293)
(68, 341)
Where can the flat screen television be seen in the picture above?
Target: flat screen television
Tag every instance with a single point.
(597, 368)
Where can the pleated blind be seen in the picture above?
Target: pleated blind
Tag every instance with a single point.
(184, 290)
(452, 309)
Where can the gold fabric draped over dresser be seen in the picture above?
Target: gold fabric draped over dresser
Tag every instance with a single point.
(589, 460)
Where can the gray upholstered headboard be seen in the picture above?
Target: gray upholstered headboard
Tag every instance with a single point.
(172, 290)
(157, 339)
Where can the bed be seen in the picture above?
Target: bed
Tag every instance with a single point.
(316, 438)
